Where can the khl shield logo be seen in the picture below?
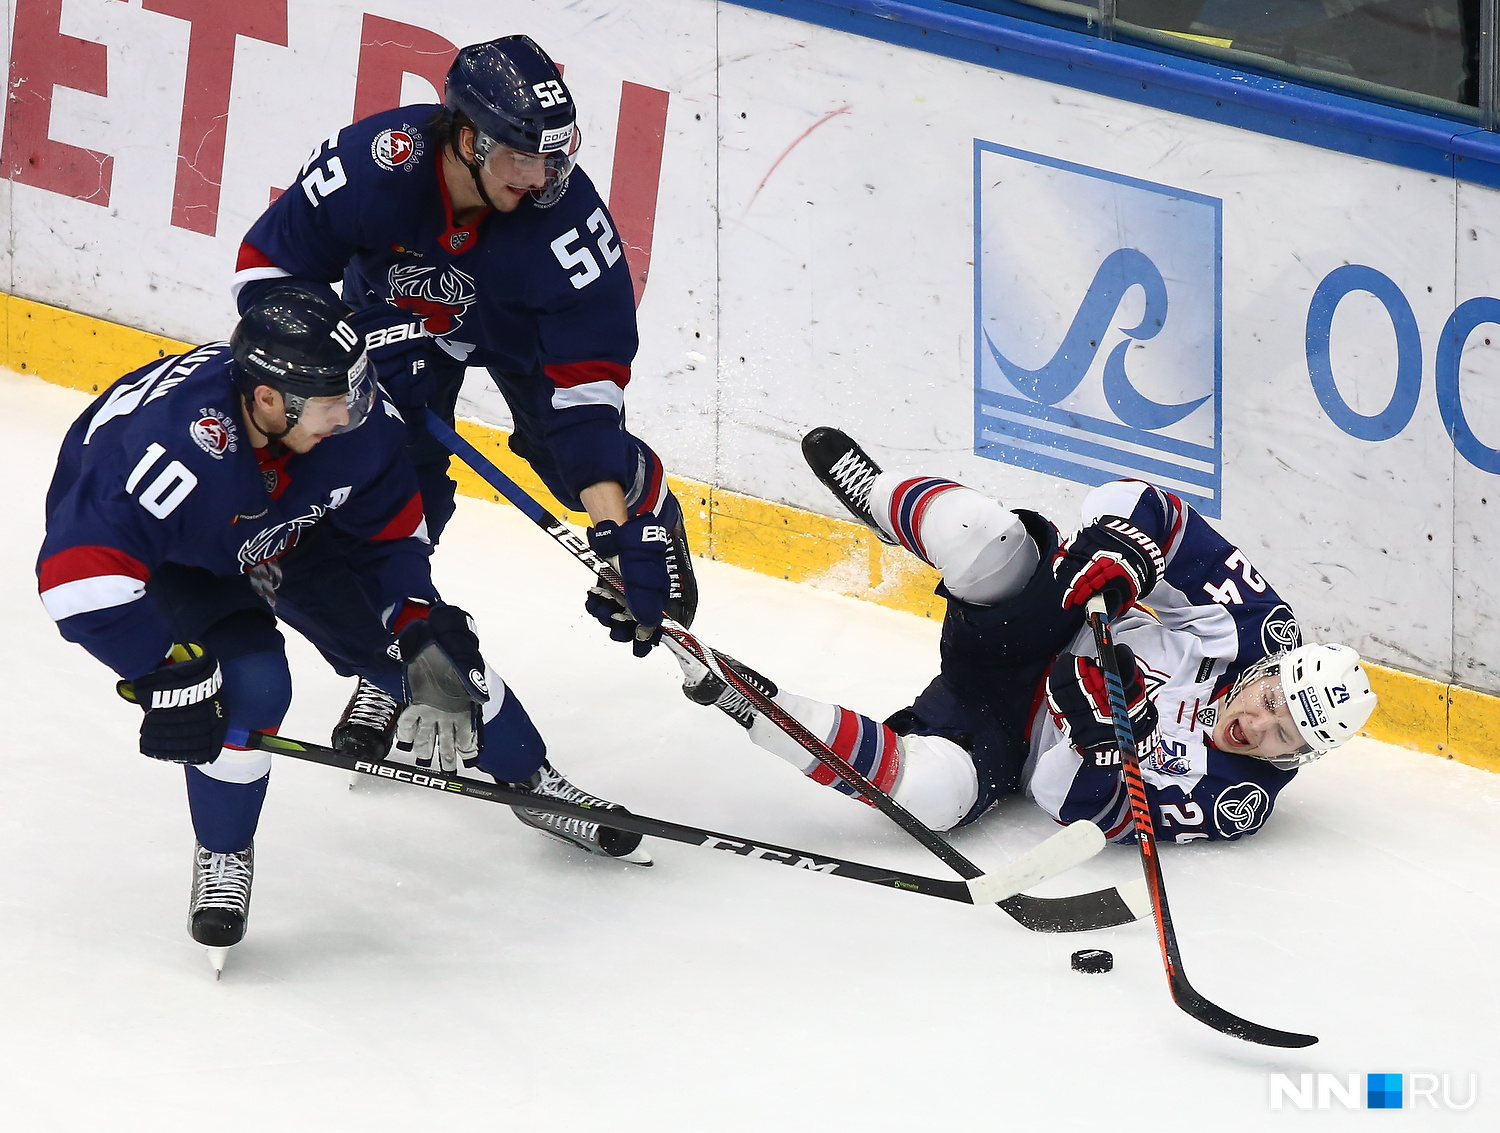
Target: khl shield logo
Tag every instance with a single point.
(1097, 309)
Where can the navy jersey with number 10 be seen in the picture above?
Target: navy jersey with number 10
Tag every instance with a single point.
(158, 470)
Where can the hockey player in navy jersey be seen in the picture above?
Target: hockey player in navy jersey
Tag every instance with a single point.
(1226, 702)
(177, 521)
(464, 235)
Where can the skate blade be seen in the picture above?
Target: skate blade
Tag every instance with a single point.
(637, 856)
(216, 957)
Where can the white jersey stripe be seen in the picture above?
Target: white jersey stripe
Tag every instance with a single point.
(249, 275)
(590, 393)
(85, 595)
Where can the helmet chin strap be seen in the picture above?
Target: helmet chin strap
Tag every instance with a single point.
(474, 167)
(276, 446)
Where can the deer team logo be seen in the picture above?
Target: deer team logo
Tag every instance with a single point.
(440, 297)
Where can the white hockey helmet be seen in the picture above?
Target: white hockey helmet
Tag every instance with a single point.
(1326, 691)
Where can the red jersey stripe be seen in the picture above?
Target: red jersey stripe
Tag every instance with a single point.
(566, 375)
(88, 562)
(405, 522)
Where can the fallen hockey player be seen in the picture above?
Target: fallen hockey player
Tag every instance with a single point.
(1226, 702)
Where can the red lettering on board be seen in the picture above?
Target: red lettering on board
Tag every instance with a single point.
(42, 58)
(389, 50)
(205, 103)
(636, 177)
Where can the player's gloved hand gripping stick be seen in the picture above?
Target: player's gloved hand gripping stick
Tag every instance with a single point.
(1099, 909)
(1183, 992)
(446, 684)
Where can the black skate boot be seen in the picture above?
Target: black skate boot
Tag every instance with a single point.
(702, 685)
(846, 470)
(590, 836)
(219, 907)
(368, 724)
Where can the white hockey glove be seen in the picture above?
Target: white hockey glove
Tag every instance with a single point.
(446, 686)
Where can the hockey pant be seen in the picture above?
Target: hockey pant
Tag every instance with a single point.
(962, 744)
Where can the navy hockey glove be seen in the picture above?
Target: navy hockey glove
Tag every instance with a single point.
(186, 718)
(445, 686)
(1111, 557)
(638, 550)
(402, 353)
(1079, 702)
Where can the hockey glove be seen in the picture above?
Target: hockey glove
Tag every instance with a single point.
(1079, 701)
(186, 718)
(445, 686)
(401, 351)
(1111, 557)
(638, 550)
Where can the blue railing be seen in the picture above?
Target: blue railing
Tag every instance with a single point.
(1074, 56)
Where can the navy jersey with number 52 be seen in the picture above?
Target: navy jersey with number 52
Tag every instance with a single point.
(541, 293)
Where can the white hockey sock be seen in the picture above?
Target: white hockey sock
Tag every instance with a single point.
(983, 551)
(236, 765)
(868, 746)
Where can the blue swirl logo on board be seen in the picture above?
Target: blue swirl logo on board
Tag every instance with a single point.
(1122, 379)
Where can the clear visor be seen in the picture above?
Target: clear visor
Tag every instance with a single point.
(329, 416)
(543, 173)
(1259, 709)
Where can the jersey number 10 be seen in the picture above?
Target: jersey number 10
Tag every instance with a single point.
(171, 486)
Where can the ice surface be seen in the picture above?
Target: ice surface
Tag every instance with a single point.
(418, 962)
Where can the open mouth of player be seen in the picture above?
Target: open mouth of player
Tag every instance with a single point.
(1236, 734)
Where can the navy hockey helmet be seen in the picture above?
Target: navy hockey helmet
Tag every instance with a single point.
(297, 340)
(515, 96)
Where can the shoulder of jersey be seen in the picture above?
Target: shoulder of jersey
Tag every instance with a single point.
(182, 391)
(574, 206)
(395, 140)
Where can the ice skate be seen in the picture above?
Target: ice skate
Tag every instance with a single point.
(702, 685)
(368, 724)
(590, 836)
(846, 470)
(219, 907)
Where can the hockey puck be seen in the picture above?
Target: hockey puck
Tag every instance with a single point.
(1092, 960)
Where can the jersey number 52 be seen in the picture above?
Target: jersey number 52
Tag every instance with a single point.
(580, 257)
(319, 183)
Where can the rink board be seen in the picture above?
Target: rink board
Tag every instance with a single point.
(993, 276)
(776, 539)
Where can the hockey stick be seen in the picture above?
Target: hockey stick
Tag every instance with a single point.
(1183, 993)
(1102, 908)
(1069, 847)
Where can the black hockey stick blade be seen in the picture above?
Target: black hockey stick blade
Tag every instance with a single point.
(1183, 993)
(1051, 914)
